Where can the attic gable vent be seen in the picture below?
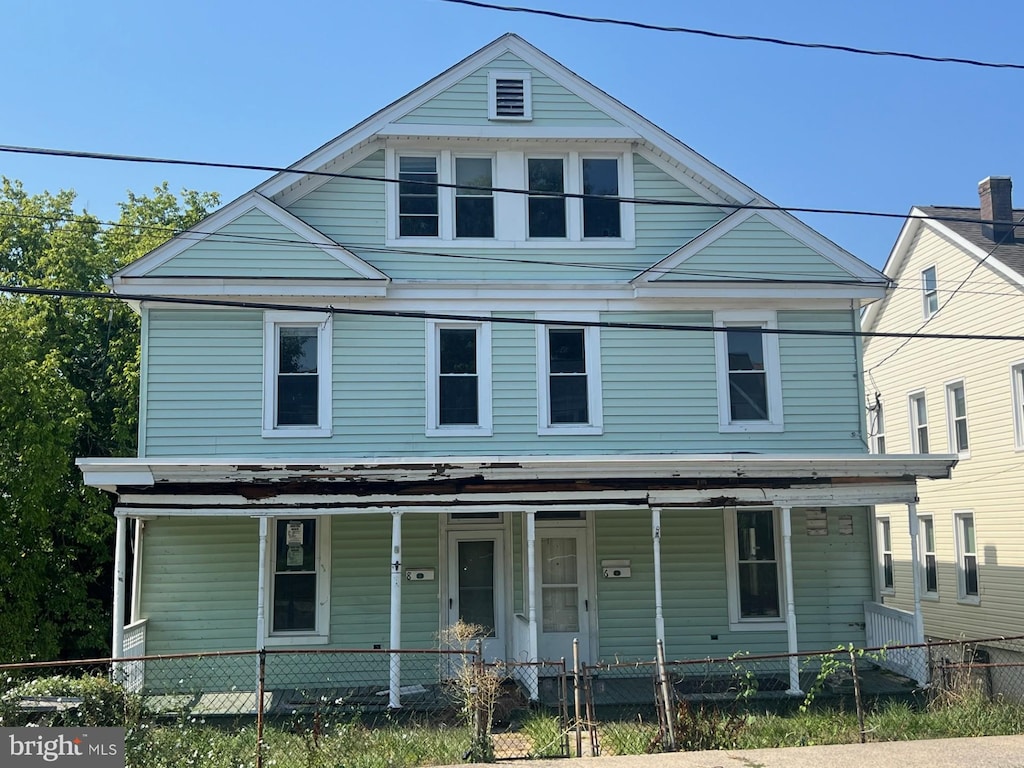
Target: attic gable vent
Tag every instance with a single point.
(509, 96)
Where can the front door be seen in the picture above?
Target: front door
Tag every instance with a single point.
(562, 601)
(476, 586)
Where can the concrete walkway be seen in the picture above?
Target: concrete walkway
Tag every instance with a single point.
(986, 752)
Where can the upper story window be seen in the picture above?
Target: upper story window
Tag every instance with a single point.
(418, 209)
(919, 423)
(569, 379)
(754, 575)
(1017, 390)
(458, 378)
(509, 95)
(749, 378)
(296, 374)
(547, 206)
(930, 292)
(956, 413)
(878, 432)
(563, 200)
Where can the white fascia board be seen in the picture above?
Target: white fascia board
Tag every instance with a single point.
(497, 468)
(979, 254)
(894, 263)
(246, 288)
(738, 290)
(232, 212)
(108, 476)
(655, 273)
(502, 132)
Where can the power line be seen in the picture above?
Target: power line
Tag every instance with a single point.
(743, 38)
(409, 314)
(87, 155)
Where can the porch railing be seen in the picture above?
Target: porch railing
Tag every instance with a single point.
(133, 673)
(888, 626)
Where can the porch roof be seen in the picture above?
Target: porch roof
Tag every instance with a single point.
(351, 485)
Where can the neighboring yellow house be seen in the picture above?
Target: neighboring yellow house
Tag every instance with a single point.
(954, 275)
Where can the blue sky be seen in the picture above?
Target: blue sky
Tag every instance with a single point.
(265, 83)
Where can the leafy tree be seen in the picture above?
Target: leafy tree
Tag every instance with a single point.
(68, 387)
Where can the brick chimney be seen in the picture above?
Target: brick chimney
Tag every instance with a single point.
(997, 206)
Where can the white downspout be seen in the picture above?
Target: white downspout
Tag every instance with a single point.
(395, 642)
(791, 637)
(659, 616)
(117, 644)
(261, 589)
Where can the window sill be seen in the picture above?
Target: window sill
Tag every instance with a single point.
(467, 242)
(298, 641)
(311, 432)
(887, 592)
(459, 432)
(583, 429)
(757, 626)
(931, 597)
(969, 600)
(751, 427)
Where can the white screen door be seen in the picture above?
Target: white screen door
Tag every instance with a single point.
(562, 599)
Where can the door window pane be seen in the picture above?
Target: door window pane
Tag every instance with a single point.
(476, 584)
(294, 607)
(559, 587)
(758, 570)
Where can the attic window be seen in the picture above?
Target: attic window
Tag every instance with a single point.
(509, 96)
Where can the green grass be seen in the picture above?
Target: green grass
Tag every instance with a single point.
(545, 734)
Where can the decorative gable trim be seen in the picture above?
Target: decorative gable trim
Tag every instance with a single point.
(251, 201)
(657, 272)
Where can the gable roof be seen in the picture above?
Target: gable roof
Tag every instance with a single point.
(1006, 258)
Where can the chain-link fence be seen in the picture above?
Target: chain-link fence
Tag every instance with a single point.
(407, 708)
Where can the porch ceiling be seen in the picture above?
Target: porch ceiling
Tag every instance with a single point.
(353, 485)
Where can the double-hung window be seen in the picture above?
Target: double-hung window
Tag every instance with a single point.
(546, 203)
(749, 379)
(601, 218)
(929, 292)
(919, 423)
(418, 199)
(296, 374)
(569, 377)
(886, 580)
(755, 575)
(1017, 391)
(474, 197)
(929, 564)
(298, 589)
(966, 557)
(956, 418)
(458, 378)
(878, 433)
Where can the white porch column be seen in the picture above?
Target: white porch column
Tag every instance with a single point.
(140, 526)
(659, 616)
(117, 645)
(915, 569)
(787, 567)
(394, 688)
(531, 582)
(261, 588)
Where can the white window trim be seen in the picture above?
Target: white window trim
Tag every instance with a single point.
(922, 542)
(511, 219)
(321, 636)
(592, 351)
(271, 322)
(1017, 392)
(878, 429)
(951, 419)
(915, 444)
(958, 551)
(880, 552)
(485, 427)
(492, 95)
(732, 578)
(773, 371)
(925, 292)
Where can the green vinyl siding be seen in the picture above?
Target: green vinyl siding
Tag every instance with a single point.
(465, 102)
(349, 211)
(205, 389)
(757, 248)
(254, 245)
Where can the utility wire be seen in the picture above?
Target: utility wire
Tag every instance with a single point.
(59, 293)
(82, 154)
(729, 36)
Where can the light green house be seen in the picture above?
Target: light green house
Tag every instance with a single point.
(505, 352)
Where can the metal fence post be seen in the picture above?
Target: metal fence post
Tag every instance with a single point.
(261, 683)
(856, 694)
(576, 695)
(666, 695)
